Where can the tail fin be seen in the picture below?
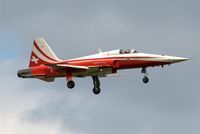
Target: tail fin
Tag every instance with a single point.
(42, 53)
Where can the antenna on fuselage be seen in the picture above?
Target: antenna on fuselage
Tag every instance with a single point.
(100, 51)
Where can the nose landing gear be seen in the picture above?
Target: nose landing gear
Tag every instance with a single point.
(145, 79)
(96, 82)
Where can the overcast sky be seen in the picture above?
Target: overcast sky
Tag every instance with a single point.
(170, 103)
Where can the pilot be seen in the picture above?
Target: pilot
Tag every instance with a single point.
(121, 51)
(133, 51)
(128, 51)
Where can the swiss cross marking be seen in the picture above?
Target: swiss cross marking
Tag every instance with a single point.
(35, 60)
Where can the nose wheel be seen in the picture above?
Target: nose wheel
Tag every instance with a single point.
(145, 79)
(96, 82)
(70, 84)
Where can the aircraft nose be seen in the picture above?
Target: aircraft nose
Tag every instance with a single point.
(173, 59)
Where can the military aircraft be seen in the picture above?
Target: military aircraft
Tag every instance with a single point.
(45, 65)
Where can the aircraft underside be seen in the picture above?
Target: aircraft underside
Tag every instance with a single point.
(50, 73)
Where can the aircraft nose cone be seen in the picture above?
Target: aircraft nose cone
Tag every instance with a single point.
(178, 59)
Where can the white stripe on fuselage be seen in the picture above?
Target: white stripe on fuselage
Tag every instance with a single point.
(132, 56)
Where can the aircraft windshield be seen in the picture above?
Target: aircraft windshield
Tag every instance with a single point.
(127, 51)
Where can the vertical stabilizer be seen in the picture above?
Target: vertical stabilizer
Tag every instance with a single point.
(42, 53)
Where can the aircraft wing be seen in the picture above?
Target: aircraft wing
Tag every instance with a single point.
(115, 75)
(72, 66)
(68, 66)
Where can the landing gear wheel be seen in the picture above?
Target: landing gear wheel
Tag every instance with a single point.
(145, 79)
(96, 90)
(70, 84)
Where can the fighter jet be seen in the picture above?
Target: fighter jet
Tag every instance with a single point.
(46, 66)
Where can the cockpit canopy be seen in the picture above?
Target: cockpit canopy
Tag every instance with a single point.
(127, 51)
(120, 51)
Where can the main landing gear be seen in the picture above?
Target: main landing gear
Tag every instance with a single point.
(145, 79)
(70, 82)
(96, 82)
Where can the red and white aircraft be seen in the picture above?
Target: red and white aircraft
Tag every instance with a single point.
(45, 65)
